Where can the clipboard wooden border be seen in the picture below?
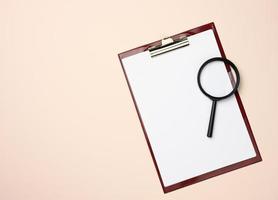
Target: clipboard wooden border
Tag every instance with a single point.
(213, 173)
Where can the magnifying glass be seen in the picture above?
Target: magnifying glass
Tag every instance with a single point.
(217, 83)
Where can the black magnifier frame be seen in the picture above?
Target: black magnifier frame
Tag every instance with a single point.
(216, 98)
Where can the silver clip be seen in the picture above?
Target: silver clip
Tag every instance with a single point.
(168, 44)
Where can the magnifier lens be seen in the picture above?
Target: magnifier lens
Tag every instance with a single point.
(216, 81)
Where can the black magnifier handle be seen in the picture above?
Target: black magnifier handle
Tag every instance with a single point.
(211, 120)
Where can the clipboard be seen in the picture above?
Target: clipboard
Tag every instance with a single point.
(174, 114)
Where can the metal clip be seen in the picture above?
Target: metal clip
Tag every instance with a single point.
(168, 44)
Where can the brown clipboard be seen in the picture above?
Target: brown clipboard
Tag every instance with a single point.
(210, 174)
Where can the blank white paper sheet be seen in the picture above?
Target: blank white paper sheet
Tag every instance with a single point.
(176, 114)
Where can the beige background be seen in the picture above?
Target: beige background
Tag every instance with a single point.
(68, 126)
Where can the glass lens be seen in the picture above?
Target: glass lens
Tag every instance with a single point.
(215, 79)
